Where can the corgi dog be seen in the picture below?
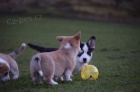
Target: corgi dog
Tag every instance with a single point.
(56, 63)
(8, 64)
(83, 58)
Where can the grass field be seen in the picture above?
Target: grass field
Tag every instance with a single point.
(117, 53)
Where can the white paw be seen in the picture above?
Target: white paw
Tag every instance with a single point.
(61, 78)
(15, 77)
(7, 78)
(69, 79)
(41, 73)
(53, 82)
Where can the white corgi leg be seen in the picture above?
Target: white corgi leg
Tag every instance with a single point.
(67, 75)
(36, 78)
(15, 74)
(6, 78)
(51, 81)
(61, 78)
(41, 73)
(15, 77)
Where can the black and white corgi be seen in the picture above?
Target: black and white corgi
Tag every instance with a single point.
(83, 58)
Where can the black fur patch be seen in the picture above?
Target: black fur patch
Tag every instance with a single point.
(37, 59)
(93, 37)
(81, 46)
(89, 49)
(79, 55)
(41, 49)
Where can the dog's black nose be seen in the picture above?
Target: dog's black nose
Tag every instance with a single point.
(85, 60)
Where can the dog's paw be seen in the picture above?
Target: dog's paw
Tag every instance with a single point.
(68, 79)
(52, 82)
(5, 79)
(15, 77)
(41, 73)
(55, 83)
(61, 78)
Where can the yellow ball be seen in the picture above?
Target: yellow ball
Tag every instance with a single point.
(89, 72)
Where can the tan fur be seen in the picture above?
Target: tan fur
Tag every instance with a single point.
(8, 64)
(57, 63)
(3, 68)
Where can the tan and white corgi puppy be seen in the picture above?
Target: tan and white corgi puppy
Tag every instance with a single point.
(83, 58)
(8, 64)
(57, 63)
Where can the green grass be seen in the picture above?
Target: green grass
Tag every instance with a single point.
(117, 53)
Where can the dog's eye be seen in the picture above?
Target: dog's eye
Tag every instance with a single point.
(80, 53)
(5, 74)
(89, 53)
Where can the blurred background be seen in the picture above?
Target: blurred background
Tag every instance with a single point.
(108, 10)
(115, 23)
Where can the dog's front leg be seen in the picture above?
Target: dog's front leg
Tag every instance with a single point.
(5, 78)
(67, 75)
(15, 73)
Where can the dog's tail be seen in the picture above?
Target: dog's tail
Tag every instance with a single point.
(41, 49)
(18, 52)
(36, 61)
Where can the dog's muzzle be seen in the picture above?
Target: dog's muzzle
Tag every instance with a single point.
(84, 60)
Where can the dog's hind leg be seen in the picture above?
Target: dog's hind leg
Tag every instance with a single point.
(15, 73)
(50, 81)
(48, 69)
(67, 75)
(35, 76)
(5, 77)
(14, 70)
(34, 70)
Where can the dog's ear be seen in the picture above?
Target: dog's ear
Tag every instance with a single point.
(60, 38)
(78, 35)
(91, 42)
